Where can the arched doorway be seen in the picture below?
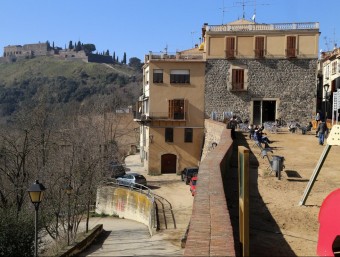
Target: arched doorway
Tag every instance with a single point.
(168, 163)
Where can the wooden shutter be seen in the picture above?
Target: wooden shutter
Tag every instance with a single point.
(259, 47)
(230, 47)
(238, 79)
(171, 109)
(291, 46)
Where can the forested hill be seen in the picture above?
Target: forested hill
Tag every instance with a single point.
(28, 82)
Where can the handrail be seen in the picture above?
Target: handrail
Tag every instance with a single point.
(171, 210)
(261, 27)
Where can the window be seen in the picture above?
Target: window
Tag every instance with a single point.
(334, 65)
(169, 135)
(157, 76)
(238, 79)
(259, 47)
(230, 51)
(146, 77)
(291, 46)
(176, 109)
(180, 76)
(188, 132)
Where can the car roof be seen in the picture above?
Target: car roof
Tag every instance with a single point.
(133, 173)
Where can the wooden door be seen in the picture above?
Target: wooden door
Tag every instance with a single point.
(168, 163)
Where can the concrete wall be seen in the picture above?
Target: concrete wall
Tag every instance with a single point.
(126, 204)
(210, 232)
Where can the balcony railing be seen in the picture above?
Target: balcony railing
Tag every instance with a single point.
(262, 27)
(173, 56)
(159, 116)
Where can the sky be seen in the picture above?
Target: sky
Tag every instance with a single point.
(136, 27)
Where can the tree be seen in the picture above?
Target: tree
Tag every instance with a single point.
(114, 57)
(107, 52)
(124, 58)
(70, 45)
(78, 47)
(135, 63)
(89, 48)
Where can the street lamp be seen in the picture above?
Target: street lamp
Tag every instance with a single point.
(36, 192)
(68, 190)
(326, 87)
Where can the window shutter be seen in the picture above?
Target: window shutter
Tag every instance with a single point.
(291, 46)
(259, 47)
(238, 79)
(230, 47)
(171, 109)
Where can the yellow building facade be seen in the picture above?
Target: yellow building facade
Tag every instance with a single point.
(171, 112)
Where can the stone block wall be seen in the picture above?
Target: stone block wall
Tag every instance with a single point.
(292, 83)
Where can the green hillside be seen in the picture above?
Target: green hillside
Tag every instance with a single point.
(27, 81)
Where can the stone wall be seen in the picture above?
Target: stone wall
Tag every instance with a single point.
(292, 83)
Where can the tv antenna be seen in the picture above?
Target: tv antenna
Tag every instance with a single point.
(249, 3)
(326, 42)
(192, 37)
(223, 11)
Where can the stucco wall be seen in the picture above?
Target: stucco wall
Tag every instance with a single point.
(290, 82)
(126, 204)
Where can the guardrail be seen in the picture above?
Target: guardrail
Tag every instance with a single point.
(262, 27)
(173, 56)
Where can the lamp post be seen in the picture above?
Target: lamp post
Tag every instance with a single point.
(326, 87)
(68, 191)
(36, 192)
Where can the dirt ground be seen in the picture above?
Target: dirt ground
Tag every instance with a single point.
(279, 226)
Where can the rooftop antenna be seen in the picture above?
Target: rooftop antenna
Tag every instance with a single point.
(326, 43)
(249, 3)
(223, 11)
(192, 37)
(254, 15)
(334, 40)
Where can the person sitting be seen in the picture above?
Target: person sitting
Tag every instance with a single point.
(259, 136)
(307, 128)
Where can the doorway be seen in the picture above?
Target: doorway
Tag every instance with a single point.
(264, 111)
(168, 163)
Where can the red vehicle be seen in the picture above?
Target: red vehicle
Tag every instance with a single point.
(193, 182)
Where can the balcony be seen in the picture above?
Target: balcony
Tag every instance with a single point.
(178, 116)
(154, 56)
(263, 27)
(141, 117)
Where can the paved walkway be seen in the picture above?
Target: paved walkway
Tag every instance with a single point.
(123, 237)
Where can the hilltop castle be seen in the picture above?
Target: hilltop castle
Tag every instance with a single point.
(13, 52)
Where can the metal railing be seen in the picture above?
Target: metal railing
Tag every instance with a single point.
(262, 27)
(173, 56)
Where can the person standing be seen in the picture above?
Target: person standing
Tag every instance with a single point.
(232, 124)
(322, 130)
